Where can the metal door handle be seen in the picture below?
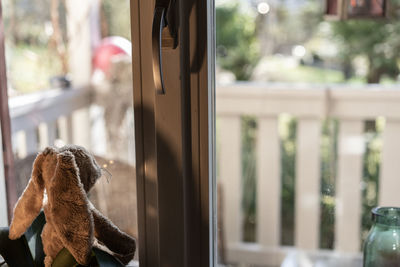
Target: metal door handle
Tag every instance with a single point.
(158, 26)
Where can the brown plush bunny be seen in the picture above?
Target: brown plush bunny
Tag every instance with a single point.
(66, 175)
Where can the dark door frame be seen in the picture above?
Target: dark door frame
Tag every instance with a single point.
(175, 139)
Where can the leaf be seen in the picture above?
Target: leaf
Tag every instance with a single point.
(99, 259)
(15, 252)
(64, 259)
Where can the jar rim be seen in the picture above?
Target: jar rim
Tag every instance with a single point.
(378, 210)
(386, 215)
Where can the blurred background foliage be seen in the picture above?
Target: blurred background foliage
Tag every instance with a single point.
(293, 42)
(237, 45)
(115, 18)
(31, 58)
(32, 54)
(377, 41)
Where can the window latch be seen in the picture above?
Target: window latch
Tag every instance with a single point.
(164, 36)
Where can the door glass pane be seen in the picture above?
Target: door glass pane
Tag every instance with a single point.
(307, 129)
(69, 70)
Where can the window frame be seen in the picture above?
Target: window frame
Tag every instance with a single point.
(194, 107)
(7, 158)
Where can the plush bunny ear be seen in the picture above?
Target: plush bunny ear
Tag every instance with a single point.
(70, 210)
(30, 202)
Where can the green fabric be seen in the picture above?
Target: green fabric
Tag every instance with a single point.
(33, 236)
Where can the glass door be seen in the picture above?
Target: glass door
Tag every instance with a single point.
(307, 131)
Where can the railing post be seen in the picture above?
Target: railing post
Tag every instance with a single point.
(268, 182)
(230, 176)
(3, 196)
(43, 140)
(47, 134)
(31, 142)
(65, 128)
(390, 168)
(27, 143)
(52, 132)
(307, 200)
(348, 189)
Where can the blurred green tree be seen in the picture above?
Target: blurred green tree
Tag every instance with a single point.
(115, 18)
(377, 40)
(237, 46)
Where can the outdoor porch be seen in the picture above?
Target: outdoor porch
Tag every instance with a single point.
(351, 107)
(45, 118)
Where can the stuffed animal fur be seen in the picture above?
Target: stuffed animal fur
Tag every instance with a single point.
(60, 180)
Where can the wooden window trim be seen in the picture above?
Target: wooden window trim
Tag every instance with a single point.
(194, 240)
(6, 126)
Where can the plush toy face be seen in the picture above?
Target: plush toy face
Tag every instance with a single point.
(89, 170)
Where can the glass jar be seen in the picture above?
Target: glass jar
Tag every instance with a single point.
(382, 246)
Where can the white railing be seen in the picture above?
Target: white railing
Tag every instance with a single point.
(38, 119)
(309, 104)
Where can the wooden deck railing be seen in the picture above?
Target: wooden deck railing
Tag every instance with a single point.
(309, 104)
(39, 119)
